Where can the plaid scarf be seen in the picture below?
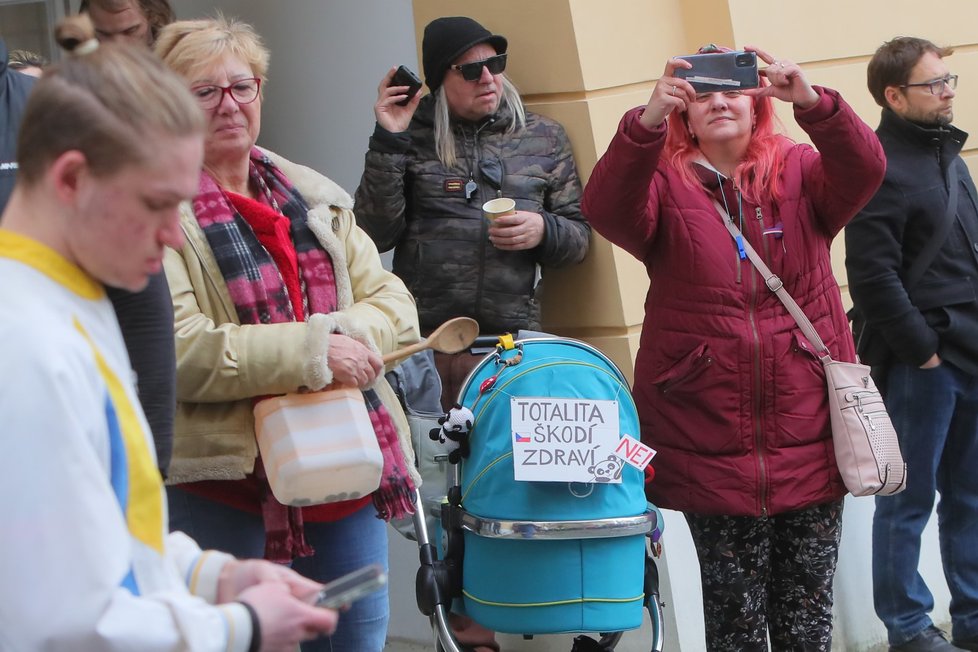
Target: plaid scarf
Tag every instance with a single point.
(268, 286)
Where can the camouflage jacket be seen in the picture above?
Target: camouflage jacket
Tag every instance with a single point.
(407, 200)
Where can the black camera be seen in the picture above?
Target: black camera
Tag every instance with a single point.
(720, 71)
(403, 76)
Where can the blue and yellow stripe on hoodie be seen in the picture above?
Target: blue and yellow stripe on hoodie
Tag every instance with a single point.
(135, 479)
(133, 473)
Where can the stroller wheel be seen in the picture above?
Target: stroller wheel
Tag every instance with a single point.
(441, 648)
(585, 643)
(610, 641)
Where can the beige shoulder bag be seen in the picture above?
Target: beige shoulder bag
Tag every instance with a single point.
(866, 446)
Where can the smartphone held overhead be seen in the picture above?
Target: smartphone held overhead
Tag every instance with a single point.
(720, 71)
(403, 76)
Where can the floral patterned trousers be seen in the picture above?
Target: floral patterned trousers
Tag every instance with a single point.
(768, 575)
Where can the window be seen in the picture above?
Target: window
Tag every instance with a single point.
(29, 25)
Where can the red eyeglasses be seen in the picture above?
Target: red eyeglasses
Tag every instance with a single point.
(243, 91)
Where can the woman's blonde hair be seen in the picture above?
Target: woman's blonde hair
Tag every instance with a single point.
(103, 100)
(188, 45)
(445, 136)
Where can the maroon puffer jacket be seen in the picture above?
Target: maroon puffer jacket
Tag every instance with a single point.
(728, 389)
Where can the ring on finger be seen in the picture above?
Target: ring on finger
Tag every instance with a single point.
(673, 91)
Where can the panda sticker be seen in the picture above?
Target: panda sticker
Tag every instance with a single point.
(607, 470)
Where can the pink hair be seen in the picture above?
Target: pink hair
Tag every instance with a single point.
(758, 173)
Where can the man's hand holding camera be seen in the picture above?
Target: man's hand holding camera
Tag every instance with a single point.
(390, 115)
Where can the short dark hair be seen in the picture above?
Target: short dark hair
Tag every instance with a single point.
(893, 61)
(158, 13)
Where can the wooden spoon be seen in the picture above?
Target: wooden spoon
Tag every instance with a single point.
(451, 337)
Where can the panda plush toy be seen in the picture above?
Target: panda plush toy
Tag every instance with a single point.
(454, 432)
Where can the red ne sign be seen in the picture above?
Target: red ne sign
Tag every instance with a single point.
(634, 452)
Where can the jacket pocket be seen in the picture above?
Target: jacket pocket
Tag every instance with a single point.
(800, 399)
(696, 403)
(687, 369)
(927, 296)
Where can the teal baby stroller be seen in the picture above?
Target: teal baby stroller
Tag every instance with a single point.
(544, 527)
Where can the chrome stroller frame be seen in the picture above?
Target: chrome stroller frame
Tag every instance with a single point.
(439, 581)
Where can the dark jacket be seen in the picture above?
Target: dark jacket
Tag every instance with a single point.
(408, 201)
(729, 391)
(14, 89)
(940, 313)
(146, 321)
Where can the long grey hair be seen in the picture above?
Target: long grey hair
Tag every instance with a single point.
(445, 137)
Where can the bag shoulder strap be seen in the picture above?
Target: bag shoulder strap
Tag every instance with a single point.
(775, 285)
(929, 252)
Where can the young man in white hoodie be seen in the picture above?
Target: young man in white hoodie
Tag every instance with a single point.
(111, 143)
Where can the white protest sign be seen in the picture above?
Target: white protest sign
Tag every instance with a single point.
(565, 440)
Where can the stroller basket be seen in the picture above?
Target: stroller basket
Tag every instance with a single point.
(565, 551)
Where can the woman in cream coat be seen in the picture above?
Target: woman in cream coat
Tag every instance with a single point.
(276, 290)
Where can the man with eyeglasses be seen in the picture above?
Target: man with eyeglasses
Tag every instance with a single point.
(912, 261)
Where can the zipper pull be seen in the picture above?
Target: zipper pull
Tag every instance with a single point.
(758, 214)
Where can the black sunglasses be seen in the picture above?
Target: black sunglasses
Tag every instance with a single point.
(473, 71)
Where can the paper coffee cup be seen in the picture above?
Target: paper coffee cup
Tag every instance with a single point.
(498, 207)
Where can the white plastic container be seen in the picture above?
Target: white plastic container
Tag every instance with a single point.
(318, 447)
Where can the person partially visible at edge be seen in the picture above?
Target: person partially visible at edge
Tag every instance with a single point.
(137, 21)
(26, 62)
(110, 146)
(14, 89)
(276, 290)
(922, 341)
(146, 317)
(431, 164)
(729, 392)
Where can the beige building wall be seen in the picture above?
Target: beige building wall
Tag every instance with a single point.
(585, 62)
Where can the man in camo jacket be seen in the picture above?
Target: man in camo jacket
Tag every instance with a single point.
(434, 161)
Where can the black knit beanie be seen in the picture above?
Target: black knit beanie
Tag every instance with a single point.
(446, 39)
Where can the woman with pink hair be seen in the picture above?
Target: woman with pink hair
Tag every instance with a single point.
(729, 391)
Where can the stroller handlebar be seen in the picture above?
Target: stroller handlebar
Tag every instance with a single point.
(585, 529)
